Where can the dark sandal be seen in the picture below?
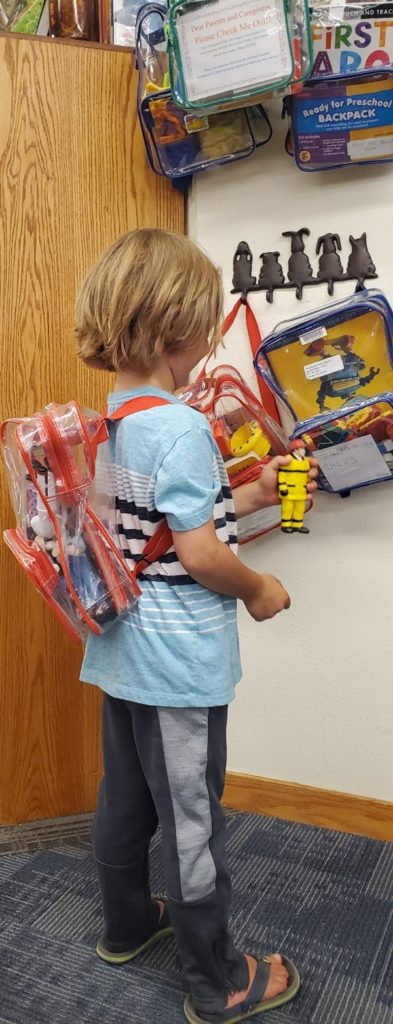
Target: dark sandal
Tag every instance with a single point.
(254, 1003)
(164, 928)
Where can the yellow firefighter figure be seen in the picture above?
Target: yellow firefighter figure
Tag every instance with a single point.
(292, 489)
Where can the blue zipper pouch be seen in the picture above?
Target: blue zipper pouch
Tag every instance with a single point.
(354, 448)
(326, 369)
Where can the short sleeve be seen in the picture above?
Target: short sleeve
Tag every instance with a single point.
(186, 489)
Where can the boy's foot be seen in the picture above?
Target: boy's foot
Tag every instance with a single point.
(123, 956)
(273, 981)
(278, 980)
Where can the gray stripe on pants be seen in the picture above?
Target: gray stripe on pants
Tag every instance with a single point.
(184, 734)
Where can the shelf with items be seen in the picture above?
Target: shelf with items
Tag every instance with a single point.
(109, 22)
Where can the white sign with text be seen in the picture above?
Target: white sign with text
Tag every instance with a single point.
(231, 47)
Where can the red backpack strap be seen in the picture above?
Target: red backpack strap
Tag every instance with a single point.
(255, 339)
(162, 540)
(156, 547)
(138, 404)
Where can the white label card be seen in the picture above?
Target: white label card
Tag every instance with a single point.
(352, 463)
(231, 46)
(323, 367)
(375, 146)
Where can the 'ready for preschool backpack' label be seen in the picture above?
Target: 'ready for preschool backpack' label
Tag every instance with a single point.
(343, 124)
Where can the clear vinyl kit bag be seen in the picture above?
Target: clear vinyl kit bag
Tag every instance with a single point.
(178, 143)
(247, 436)
(351, 39)
(66, 537)
(354, 448)
(226, 52)
(330, 368)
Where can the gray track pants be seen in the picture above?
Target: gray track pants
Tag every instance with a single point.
(168, 765)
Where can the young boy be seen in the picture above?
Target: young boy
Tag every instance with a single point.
(149, 311)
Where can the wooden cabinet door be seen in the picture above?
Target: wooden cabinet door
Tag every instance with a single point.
(73, 177)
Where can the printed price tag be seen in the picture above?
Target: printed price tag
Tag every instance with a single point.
(323, 367)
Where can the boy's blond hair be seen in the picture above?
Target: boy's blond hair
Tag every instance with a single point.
(152, 291)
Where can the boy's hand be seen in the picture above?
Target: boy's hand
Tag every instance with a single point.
(269, 599)
(268, 484)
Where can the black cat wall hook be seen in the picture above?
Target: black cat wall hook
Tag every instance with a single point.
(360, 264)
(300, 275)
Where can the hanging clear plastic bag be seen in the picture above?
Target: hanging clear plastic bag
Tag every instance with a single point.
(180, 144)
(247, 437)
(351, 39)
(334, 371)
(223, 52)
(331, 357)
(353, 448)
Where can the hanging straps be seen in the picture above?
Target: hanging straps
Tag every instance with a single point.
(255, 339)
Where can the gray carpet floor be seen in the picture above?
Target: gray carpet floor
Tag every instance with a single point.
(324, 898)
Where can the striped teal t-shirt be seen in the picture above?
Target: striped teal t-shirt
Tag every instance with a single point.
(178, 647)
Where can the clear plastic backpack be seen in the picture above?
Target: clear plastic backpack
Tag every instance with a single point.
(66, 536)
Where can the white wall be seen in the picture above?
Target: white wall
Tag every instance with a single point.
(316, 701)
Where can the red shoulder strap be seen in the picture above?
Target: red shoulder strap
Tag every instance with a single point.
(138, 404)
(161, 541)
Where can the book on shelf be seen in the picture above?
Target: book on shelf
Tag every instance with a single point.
(105, 20)
(30, 17)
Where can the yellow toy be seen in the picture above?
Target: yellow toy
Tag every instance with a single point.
(152, 87)
(249, 438)
(292, 489)
(168, 122)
